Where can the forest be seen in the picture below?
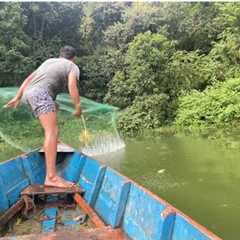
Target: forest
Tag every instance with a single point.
(162, 64)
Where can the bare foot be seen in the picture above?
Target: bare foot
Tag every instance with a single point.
(58, 182)
(65, 181)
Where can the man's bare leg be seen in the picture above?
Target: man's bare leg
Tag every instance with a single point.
(49, 124)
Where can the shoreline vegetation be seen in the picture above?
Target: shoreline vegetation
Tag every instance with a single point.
(216, 108)
(169, 67)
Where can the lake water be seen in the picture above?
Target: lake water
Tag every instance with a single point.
(201, 177)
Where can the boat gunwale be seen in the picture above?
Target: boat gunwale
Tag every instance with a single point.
(22, 155)
(200, 227)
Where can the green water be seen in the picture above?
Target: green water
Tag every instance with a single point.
(198, 176)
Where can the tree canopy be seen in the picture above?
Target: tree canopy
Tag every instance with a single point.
(142, 57)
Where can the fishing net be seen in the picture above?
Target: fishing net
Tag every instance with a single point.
(94, 134)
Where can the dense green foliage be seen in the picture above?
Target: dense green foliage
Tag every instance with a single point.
(218, 106)
(146, 58)
(145, 113)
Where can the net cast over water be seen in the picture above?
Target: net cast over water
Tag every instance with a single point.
(96, 135)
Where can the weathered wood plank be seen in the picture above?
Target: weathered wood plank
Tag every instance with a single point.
(84, 234)
(61, 147)
(11, 212)
(89, 211)
(35, 189)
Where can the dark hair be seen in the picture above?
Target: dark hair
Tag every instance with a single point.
(67, 52)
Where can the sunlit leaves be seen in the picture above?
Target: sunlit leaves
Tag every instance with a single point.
(214, 107)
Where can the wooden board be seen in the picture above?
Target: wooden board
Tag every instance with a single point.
(89, 211)
(84, 234)
(11, 212)
(62, 147)
(35, 189)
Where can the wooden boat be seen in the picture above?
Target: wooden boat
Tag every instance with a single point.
(112, 205)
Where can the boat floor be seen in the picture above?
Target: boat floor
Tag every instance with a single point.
(22, 226)
(81, 234)
(31, 229)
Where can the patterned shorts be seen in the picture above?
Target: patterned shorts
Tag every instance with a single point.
(40, 101)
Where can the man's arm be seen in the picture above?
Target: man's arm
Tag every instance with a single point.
(24, 85)
(73, 91)
(13, 103)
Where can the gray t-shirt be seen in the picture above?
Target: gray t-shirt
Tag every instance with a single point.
(52, 75)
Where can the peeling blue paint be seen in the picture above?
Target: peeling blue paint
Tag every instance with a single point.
(112, 197)
(90, 179)
(49, 224)
(142, 219)
(4, 204)
(185, 230)
(34, 166)
(167, 227)
(13, 180)
(73, 168)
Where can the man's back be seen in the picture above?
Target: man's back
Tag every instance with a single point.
(52, 75)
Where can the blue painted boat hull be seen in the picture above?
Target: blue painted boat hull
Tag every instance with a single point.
(119, 201)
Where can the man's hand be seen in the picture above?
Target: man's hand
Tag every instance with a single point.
(78, 111)
(13, 103)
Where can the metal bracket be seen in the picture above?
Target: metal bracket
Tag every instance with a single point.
(29, 206)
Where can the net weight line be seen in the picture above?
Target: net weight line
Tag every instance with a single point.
(13, 144)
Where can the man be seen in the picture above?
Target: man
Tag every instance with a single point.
(39, 90)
